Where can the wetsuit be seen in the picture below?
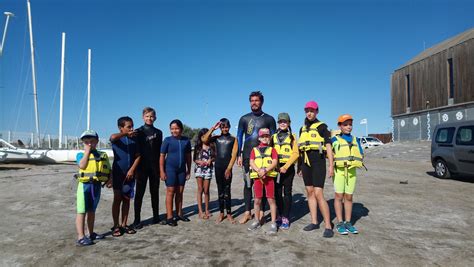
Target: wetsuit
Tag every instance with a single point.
(149, 140)
(125, 151)
(284, 183)
(175, 164)
(226, 153)
(247, 136)
(315, 175)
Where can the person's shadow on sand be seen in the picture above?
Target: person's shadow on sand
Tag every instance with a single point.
(358, 211)
(299, 207)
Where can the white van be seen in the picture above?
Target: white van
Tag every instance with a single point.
(369, 141)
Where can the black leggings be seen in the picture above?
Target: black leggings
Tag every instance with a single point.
(142, 178)
(223, 189)
(283, 191)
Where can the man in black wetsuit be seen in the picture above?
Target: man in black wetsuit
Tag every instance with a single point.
(247, 136)
(149, 140)
(226, 154)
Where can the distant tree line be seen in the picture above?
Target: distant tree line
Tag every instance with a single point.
(191, 133)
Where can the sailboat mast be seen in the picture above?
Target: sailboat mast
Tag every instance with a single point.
(33, 73)
(63, 52)
(89, 90)
(8, 15)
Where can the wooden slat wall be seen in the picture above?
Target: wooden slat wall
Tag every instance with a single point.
(463, 57)
(429, 80)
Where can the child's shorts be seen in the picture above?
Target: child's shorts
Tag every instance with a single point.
(126, 187)
(88, 196)
(342, 184)
(175, 177)
(268, 183)
(203, 172)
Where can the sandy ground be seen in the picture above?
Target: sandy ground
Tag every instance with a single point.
(421, 221)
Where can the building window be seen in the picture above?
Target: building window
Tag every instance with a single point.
(407, 85)
(450, 79)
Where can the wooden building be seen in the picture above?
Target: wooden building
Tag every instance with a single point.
(434, 87)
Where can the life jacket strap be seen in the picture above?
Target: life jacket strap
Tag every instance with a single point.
(350, 158)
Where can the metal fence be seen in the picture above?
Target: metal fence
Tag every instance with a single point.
(420, 126)
(46, 141)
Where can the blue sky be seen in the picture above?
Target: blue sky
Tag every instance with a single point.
(199, 60)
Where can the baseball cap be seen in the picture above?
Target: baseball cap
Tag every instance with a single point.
(284, 117)
(263, 132)
(344, 118)
(311, 104)
(89, 133)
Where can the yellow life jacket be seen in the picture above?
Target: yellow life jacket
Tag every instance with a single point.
(283, 148)
(310, 139)
(263, 161)
(97, 170)
(347, 154)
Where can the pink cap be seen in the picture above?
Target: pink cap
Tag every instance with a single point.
(263, 131)
(311, 104)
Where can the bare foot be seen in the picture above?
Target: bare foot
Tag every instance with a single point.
(201, 215)
(205, 217)
(245, 218)
(208, 214)
(230, 219)
(220, 218)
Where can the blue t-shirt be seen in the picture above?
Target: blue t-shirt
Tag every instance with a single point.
(125, 150)
(175, 150)
(348, 139)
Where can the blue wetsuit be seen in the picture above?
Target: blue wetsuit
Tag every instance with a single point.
(175, 163)
(125, 151)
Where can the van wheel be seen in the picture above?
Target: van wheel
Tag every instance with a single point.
(441, 169)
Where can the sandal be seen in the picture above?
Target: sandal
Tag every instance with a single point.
(84, 242)
(182, 218)
(171, 222)
(96, 236)
(129, 230)
(118, 231)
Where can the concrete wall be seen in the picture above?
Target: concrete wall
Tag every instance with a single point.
(420, 126)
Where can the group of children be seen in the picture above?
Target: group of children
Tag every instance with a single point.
(272, 169)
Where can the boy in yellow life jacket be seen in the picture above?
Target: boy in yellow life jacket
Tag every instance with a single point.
(94, 169)
(348, 155)
(263, 161)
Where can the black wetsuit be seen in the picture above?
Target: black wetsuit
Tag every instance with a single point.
(224, 148)
(150, 139)
(247, 135)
